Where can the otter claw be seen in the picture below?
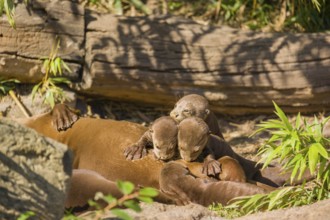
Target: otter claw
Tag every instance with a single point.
(63, 117)
(211, 168)
(135, 152)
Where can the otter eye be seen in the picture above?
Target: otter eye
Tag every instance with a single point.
(151, 131)
(196, 149)
(186, 110)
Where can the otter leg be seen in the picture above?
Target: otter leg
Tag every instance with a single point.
(138, 150)
(63, 117)
(177, 182)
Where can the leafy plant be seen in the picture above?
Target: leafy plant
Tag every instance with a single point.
(52, 68)
(129, 200)
(7, 7)
(26, 215)
(7, 84)
(298, 146)
(119, 6)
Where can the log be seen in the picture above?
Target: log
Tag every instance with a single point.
(37, 26)
(156, 60)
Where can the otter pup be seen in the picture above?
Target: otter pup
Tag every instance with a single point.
(198, 106)
(231, 170)
(162, 135)
(193, 138)
(177, 182)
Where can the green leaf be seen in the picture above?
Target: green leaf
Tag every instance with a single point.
(298, 121)
(57, 64)
(125, 187)
(132, 205)
(93, 204)
(109, 199)
(2, 8)
(34, 90)
(282, 116)
(321, 150)
(10, 10)
(145, 199)
(118, 7)
(148, 191)
(53, 69)
(66, 66)
(26, 215)
(272, 155)
(278, 195)
(57, 80)
(50, 98)
(121, 214)
(313, 157)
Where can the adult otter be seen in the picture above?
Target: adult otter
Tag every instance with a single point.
(98, 144)
(197, 190)
(85, 184)
(162, 136)
(198, 106)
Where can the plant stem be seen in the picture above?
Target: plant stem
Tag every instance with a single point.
(19, 103)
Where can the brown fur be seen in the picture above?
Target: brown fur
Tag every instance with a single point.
(85, 184)
(198, 106)
(193, 134)
(162, 135)
(177, 182)
(231, 170)
(98, 145)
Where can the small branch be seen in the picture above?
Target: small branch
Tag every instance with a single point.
(19, 103)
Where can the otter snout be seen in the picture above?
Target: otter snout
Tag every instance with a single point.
(174, 114)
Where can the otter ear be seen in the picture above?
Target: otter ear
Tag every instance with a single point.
(207, 112)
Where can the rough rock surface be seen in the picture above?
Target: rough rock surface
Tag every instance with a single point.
(319, 211)
(34, 173)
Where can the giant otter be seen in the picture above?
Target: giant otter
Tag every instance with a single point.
(194, 105)
(162, 136)
(98, 145)
(195, 141)
(177, 182)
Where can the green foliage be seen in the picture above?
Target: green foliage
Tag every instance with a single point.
(7, 85)
(7, 7)
(298, 146)
(119, 6)
(130, 200)
(53, 68)
(26, 215)
(297, 15)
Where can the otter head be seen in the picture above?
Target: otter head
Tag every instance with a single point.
(189, 106)
(193, 136)
(164, 133)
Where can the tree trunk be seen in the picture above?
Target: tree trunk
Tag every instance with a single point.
(156, 60)
(37, 25)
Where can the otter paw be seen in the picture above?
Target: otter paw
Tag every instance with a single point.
(63, 117)
(135, 152)
(211, 168)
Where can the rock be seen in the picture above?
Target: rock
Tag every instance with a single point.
(319, 211)
(34, 173)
